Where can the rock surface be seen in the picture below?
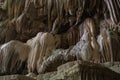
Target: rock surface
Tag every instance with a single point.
(78, 70)
(42, 37)
(15, 77)
(115, 66)
(13, 56)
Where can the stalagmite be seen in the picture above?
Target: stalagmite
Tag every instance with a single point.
(13, 56)
(41, 47)
(55, 32)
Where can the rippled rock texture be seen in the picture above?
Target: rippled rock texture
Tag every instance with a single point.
(78, 70)
(38, 36)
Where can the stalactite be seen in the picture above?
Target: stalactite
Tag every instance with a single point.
(114, 8)
(66, 6)
(72, 36)
(68, 24)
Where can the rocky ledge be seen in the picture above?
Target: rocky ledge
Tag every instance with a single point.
(75, 70)
(59, 39)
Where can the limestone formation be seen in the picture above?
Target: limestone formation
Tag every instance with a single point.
(78, 70)
(41, 47)
(15, 77)
(13, 57)
(114, 7)
(86, 49)
(107, 39)
(114, 66)
(38, 36)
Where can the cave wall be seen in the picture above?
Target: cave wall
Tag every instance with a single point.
(54, 32)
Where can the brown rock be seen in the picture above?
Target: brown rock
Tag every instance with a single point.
(15, 77)
(41, 47)
(78, 70)
(13, 56)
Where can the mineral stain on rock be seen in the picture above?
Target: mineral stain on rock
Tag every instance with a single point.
(59, 39)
